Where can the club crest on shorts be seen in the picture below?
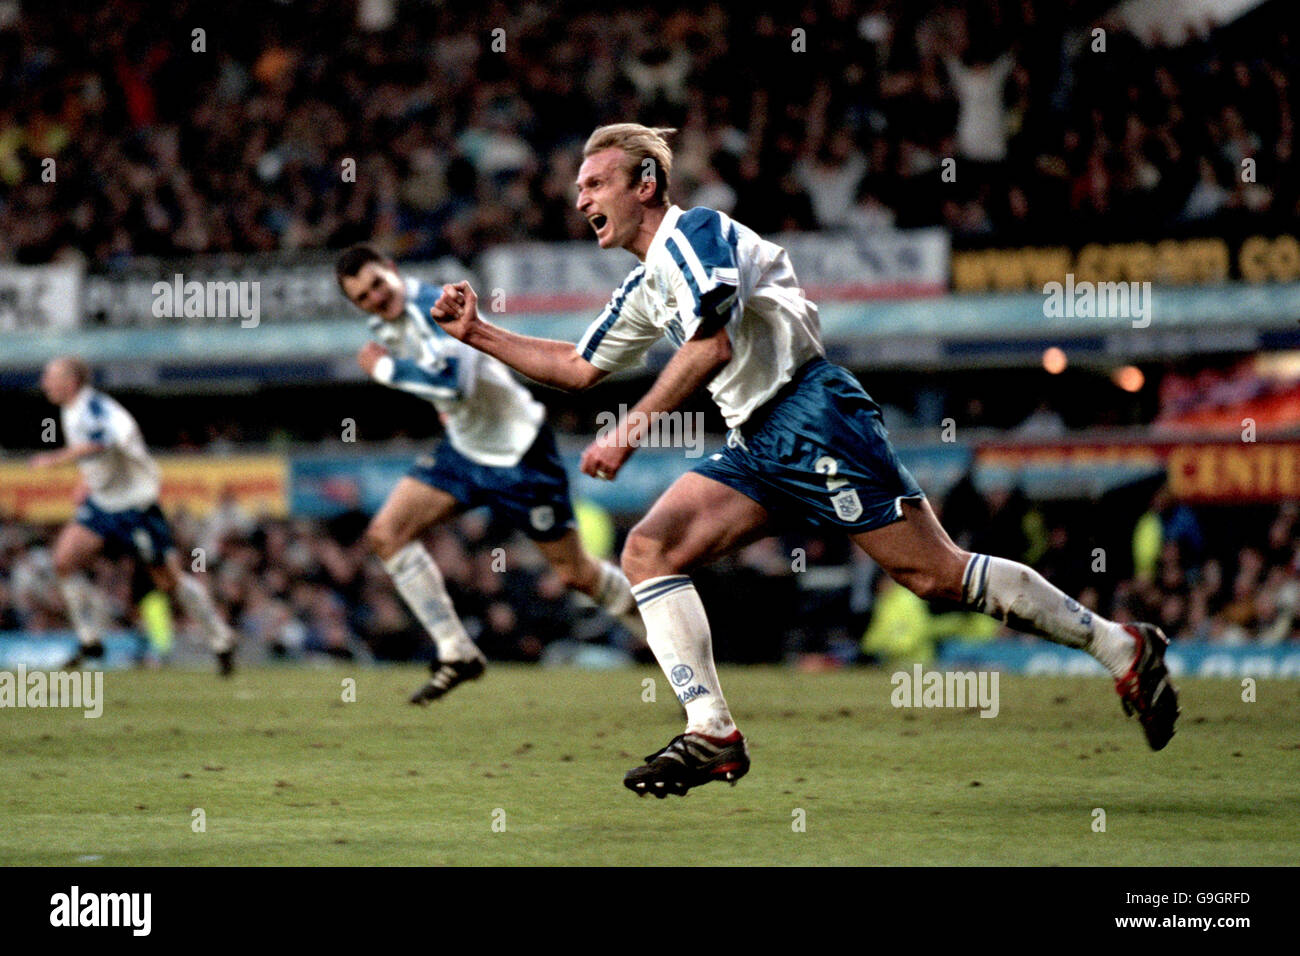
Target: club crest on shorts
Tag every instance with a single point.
(542, 518)
(848, 507)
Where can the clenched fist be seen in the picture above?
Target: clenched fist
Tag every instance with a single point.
(456, 309)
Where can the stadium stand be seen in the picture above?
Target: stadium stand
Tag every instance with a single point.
(460, 149)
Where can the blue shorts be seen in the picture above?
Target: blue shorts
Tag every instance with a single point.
(144, 533)
(532, 495)
(818, 453)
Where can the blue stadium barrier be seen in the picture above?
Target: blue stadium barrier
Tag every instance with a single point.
(50, 650)
(1196, 658)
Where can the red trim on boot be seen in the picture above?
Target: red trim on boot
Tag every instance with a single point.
(734, 737)
(1127, 686)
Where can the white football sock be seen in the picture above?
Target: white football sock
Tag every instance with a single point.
(85, 610)
(614, 594)
(421, 586)
(677, 631)
(197, 602)
(1023, 599)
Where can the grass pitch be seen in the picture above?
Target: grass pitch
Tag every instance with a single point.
(525, 766)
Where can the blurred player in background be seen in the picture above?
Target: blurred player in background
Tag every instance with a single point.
(805, 442)
(119, 509)
(498, 452)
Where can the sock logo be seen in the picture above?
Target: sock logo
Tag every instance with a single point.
(686, 696)
(1074, 607)
(680, 675)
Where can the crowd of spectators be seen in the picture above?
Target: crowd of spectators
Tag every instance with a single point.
(197, 133)
(1221, 574)
(1196, 590)
(303, 588)
(297, 588)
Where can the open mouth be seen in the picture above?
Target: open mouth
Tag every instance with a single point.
(598, 222)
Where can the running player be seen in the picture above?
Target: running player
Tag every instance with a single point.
(498, 451)
(121, 508)
(805, 442)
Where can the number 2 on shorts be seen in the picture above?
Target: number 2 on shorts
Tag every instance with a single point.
(828, 466)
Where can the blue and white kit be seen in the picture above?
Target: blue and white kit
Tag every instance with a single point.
(806, 440)
(122, 478)
(498, 451)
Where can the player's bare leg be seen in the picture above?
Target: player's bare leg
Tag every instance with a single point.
(193, 597)
(74, 549)
(917, 553)
(394, 536)
(694, 521)
(601, 581)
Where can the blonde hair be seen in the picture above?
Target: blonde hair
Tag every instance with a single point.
(640, 143)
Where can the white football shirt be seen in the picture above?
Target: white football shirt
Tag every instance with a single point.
(704, 270)
(490, 417)
(122, 474)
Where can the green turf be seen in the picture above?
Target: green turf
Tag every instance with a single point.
(287, 773)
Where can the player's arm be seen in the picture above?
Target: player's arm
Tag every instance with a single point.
(543, 360)
(65, 456)
(695, 363)
(445, 381)
(97, 432)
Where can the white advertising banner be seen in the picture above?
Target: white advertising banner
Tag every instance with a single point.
(39, 298)
(284, 293)
(848, 266)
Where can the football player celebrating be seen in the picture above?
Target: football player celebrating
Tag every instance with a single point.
(121, 507)
(805, 441)
(498, 452)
